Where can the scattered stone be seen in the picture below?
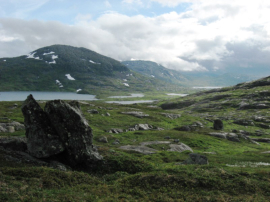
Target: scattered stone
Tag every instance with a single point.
(176, 140)
(140, 149)
(103, 139)
(184, 128)
(59, 166)
(244, 122)
(263, 125)
(218, 124)
(93, 111)
(196, 159)
(171, 116)
(136, 114)
(108, 114)
(233, 137)
(167, 137)
(179, 147)
(116, 130)
(219, 135)
(10, 129)
(266, 140)
(154, 142)
(144, 127)
(116, 141)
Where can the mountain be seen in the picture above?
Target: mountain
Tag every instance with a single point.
(184, 78)
(67, 68)
(154, 70)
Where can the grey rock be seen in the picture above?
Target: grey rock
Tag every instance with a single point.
(263, 125)
(244, 122)
(108, 114)
(3, 129)
(116, 142)
(93, 111)
(144, 127)
(136, 114)
(116, 130)
(218, 124)
(176, 140)
(233, 137)
(196, 159)
(266, 140)
(42, 138)
(219, 135)
(184, 128)
(10, 129)
(167, 137)
(171, 116)
(140, 149)
(154, 142)
(179, 147)
(103, 139)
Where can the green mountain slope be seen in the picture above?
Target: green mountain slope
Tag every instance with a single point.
(67, 68)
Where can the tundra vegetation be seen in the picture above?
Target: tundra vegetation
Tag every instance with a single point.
(238, 154)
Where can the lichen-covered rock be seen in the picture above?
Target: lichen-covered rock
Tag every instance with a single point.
(42, 139)
(73, 130)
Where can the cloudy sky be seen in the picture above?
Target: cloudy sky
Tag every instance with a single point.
(188, 35)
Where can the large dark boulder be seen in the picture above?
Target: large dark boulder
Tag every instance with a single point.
(42, 138)
(218, 124)
(73, 130)
(60, 131)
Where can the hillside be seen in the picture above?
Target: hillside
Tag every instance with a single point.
(154, 70)
(184, 78)
(67, 68)
(148, 151)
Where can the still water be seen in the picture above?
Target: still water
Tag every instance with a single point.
(22, 95)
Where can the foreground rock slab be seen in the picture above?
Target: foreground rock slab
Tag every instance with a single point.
(59, 130)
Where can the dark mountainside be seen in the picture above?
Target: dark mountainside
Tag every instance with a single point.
(67, 68)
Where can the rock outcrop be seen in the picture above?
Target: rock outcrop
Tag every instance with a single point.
(59, 129)
(218, 124)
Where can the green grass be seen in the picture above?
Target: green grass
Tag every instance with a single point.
(131, 176)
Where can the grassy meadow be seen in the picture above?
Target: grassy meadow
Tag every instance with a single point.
(233, 172)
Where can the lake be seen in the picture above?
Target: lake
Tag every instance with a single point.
(131, 102)
(130, 96)
(22, 95)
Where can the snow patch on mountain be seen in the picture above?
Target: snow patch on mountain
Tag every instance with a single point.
(94, 62)
(69, 77)
(49, 53)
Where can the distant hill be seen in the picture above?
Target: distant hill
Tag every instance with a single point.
(67, 68)
(155, 70)
(189, 79)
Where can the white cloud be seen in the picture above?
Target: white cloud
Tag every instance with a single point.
(210, 34)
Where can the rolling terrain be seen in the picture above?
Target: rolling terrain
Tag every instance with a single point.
(238, 154)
